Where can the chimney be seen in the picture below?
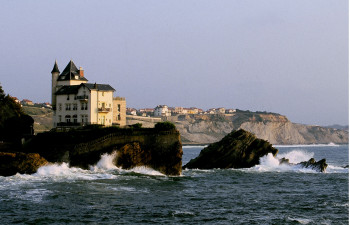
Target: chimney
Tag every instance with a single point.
(81, 72)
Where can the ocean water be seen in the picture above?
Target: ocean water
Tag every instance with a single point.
(265, 194)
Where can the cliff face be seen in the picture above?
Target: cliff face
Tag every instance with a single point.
(277, 129)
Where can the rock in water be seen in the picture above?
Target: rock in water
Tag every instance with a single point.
(239, 149)
(319, 166)
(168, 161)
(12, 163)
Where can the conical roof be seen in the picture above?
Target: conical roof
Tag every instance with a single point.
(71, 72)
(55, 68)
(70, 69)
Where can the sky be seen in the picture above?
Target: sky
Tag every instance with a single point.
(290, 57)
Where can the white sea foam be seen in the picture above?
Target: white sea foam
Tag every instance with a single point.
(331, 144)
(145, 170)
(269, 163)
(296, 156)
(105, 163)
(194, 146)
(301, 220)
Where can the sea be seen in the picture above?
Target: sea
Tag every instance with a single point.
(265, 194)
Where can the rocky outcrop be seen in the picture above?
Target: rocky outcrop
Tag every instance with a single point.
(319, 166)
(239, 149)
(12, 163)
(155, 148)
(167, 162)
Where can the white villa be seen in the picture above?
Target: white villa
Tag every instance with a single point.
(76, 102)
(162, 110)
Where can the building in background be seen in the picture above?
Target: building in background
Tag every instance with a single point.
(161, 110)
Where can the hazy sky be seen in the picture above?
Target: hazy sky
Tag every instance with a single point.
(284, 56)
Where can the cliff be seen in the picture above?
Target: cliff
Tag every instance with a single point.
(275, 128)
(157, 149)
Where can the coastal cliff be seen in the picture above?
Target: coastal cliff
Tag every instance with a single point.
(275, 128)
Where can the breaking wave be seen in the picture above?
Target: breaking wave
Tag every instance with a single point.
(104, 169)
(269, 163)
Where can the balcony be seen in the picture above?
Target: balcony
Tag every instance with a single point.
(83, 97)
(104, 110)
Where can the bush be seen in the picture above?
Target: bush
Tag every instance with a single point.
(165, 126)
(137, 125)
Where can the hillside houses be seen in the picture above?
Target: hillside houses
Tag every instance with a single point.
(164, 110)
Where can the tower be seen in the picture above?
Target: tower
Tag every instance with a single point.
(55, 73)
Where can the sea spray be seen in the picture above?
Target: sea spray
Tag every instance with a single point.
(296, 156)
(105, 163)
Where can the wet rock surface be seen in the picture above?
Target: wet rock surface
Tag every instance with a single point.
(239, 149)
(24, 163)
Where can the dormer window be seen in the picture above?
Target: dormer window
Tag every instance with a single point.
(76, 77)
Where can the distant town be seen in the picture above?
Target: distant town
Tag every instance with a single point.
(158, 111)
(164, 110)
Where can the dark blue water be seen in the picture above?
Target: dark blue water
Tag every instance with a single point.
(265, 194)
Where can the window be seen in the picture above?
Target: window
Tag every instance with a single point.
(75, 106)
(68, 107)
(59, 118)
(59, 107)
(84, 106)
(67, 97)
(118, 107)
(103, 93)
(75, 118)
(119, 117)
(68, 118)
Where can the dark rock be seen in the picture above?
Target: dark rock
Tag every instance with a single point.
(167, 162)
(24, 163)
(319, 166)
(239, 149)
(285, 161)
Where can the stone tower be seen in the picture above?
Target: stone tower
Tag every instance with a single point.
(55, 73)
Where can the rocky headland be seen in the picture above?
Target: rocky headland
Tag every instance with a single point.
(159, 149)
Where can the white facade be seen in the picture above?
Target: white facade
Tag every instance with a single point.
(76, 102)
(162, 110)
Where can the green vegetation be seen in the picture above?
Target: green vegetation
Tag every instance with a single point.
(14, 123)
(136, 126)
(33, 111)
(165, 126)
